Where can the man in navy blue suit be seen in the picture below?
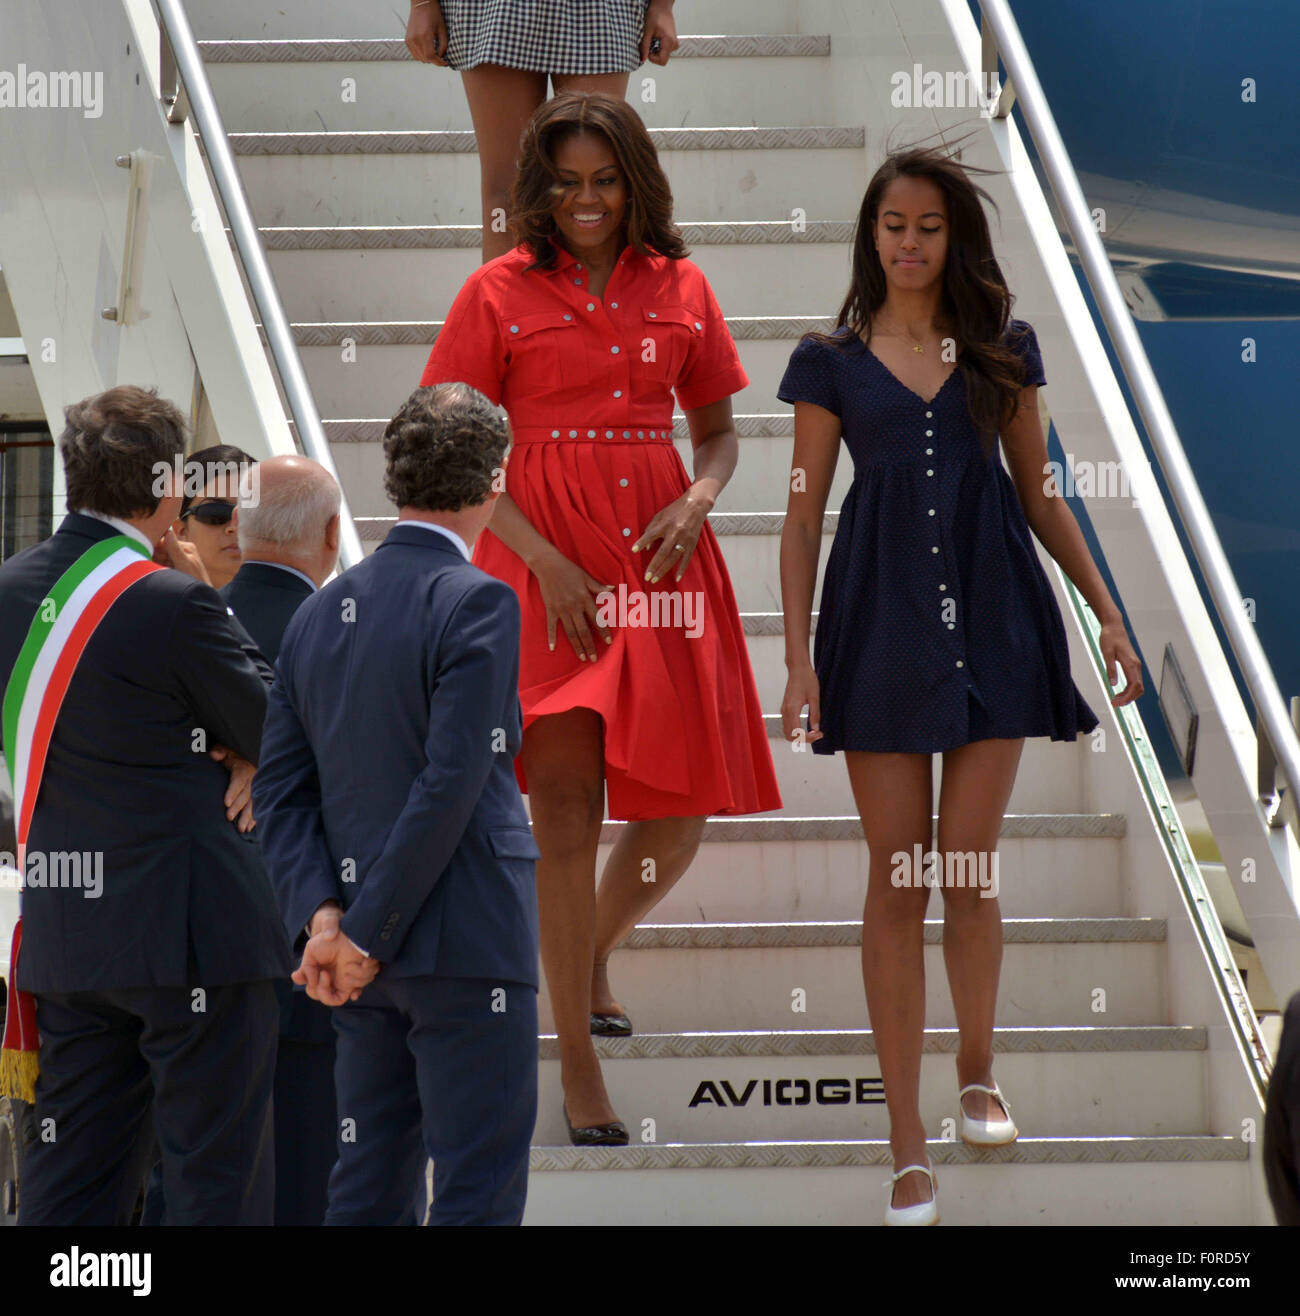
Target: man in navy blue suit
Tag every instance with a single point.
(396, 838)
(288, 524)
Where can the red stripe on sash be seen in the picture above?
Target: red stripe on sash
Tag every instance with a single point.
(61, 678)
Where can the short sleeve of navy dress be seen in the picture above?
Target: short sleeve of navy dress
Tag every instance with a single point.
(937, 625)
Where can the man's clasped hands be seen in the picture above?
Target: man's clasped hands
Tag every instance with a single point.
(333, 969)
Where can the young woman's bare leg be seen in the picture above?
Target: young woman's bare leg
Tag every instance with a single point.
(501, 101)
(893, 794)
(977, 783)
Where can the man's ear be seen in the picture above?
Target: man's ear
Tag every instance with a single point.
(332, 532)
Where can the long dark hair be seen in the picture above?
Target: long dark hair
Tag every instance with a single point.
(649, 215)
(975, 300)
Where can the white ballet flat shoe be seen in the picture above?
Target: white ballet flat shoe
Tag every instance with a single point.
(986, 1133)
(923, 1213)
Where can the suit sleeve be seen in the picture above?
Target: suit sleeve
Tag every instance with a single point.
(287, 806)
(220, 672)
(476, 676)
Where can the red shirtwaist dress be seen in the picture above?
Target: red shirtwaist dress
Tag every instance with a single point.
(592, 462)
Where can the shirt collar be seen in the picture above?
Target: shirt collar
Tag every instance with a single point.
(282, 566)
(564, 258)
(442, 530)
(122, 527)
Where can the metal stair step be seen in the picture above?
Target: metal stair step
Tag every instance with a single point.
(756, 975)
(1103, 1180)
(825, 1083)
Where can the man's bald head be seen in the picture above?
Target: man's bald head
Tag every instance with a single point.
(291, 516)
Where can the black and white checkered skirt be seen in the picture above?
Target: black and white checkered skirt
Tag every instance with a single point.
(548, 36)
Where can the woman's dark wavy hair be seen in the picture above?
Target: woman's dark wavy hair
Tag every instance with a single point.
(975, 302)
(220, 461)
(648, 220)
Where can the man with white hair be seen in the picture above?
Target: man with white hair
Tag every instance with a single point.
(288, 524)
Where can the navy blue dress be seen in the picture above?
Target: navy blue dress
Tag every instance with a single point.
(937, 625)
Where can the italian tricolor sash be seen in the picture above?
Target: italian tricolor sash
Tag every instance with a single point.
(59, 633)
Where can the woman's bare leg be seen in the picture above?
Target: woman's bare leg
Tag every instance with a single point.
(893, 793)
(501, 101)
(612, 84)
(563, 758)
(977, 783)
(630, 887)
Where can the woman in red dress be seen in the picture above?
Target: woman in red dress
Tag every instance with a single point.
(634, 677)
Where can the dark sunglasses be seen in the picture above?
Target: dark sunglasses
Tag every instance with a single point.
(214, 513)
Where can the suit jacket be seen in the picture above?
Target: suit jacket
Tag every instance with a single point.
(264, 597)
(387, 776)
(127, 778)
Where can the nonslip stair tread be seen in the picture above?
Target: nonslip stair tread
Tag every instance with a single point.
(807, 1042)
(458, 141)
(424, 333)
(747, 935)
(437, 237)
(1015, 826)
(753, 425)
(722, 523)
(331, 50)
(811, 1154)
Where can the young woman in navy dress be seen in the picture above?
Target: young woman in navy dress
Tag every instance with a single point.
(937, 629)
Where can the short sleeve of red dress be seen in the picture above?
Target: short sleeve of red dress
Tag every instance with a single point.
(712, 368)
(469, 349)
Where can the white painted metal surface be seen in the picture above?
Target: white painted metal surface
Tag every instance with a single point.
(63, 215)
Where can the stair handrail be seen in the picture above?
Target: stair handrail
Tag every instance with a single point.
(1279, 746)
(192, 94)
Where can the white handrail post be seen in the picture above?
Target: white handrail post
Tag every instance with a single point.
(248, 243)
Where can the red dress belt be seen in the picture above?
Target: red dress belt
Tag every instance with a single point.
(592, 434)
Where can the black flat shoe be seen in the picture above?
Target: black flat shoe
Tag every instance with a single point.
(611, 1025)
(597, 1135)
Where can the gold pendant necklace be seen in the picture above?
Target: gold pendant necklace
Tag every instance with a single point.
(916, 347)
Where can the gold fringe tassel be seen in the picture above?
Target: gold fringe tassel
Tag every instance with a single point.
(18, 1070)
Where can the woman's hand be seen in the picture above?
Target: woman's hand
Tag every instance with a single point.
(567, 591)
(802, 688)
(1116, 650)
(659, 23)
(426, 33)
(678, 525)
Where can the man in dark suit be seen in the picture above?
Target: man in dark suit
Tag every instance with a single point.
(392, 824)
(157, 992)
(288, 524)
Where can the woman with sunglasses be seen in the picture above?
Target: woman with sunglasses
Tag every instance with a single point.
(207, 518)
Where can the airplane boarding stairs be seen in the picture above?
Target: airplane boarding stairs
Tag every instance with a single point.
(751, 1087)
